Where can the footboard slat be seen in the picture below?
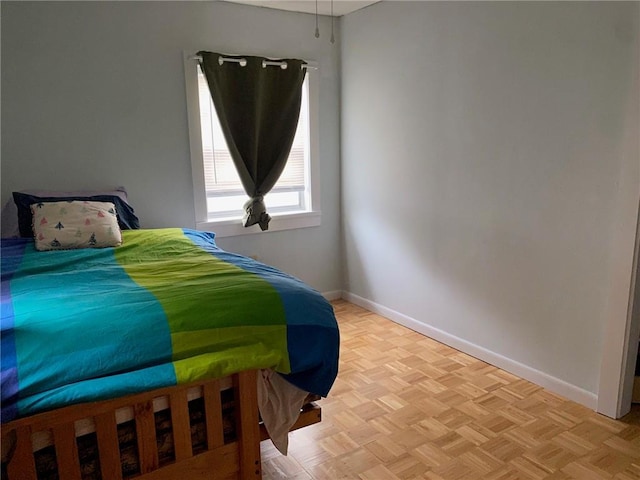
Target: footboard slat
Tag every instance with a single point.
(213, 409)
(64, 438)
(24, 466)
(146, 432)
(248, 425)
(181, 427)
(109, 450)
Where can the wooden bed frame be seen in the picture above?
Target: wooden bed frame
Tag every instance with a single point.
(239, 459)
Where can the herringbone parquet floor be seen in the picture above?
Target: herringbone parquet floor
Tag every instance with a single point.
(407, 407)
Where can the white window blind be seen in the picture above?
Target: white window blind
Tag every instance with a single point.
(221, 177)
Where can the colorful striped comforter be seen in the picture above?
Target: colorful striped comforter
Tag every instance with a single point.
(165, 308)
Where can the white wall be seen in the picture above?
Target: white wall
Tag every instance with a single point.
(482, 144)
(93, 96)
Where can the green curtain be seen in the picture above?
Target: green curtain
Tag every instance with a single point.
(258, 107)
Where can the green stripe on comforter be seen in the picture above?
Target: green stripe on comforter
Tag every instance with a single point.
(197, 290)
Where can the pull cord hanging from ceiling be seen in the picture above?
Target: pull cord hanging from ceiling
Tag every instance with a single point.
(317, 29)
(333, 39)
(317, 34)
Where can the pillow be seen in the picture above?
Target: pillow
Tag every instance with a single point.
(75, 224)
(127, 219)
(9, 216)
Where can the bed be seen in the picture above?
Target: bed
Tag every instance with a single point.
(154, 359)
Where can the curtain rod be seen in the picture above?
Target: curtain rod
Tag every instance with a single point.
(243, 61)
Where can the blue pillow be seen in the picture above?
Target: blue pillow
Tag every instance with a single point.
(127, 219)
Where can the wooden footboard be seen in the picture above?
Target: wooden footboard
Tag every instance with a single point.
(219, 458)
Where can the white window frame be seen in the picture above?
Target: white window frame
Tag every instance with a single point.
(279, 221)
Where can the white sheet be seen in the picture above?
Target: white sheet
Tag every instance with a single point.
(279, 403)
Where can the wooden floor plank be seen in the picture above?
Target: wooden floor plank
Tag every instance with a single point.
(407, 407)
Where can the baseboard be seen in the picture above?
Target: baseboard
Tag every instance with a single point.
(555, 385)
(332, 295)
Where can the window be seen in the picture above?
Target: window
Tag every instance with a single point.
(218, 192)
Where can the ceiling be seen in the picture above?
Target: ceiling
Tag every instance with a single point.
(340, 7)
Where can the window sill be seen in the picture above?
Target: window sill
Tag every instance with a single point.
(233, 227)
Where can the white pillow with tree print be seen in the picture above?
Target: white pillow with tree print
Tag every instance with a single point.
(76, 224)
